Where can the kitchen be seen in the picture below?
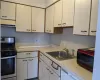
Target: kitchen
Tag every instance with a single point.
(48, 26)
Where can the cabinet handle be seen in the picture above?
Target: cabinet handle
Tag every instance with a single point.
(4, 16)
(28, 53)
(54, 67)
(59, 24)
(83, 31)
(49, 30)
(93, 31)
(64, 23)
(24, 60)
(30, 59)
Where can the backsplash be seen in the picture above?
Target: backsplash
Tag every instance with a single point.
(70, 41)
(26, 38)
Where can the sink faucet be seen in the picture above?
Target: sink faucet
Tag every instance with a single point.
(67, 51)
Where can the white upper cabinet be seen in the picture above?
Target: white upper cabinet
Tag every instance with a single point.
(58, 14)
(68, 13)
(49, 19)
(94, 17)
(82, 17)
(8, 10)
(38, 16)
(23, 18)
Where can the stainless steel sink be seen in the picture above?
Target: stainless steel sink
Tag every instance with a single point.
(60, 55)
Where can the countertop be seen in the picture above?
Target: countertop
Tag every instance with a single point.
(68, 65)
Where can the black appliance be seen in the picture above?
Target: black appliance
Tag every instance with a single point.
(85, 58)
(8, 58)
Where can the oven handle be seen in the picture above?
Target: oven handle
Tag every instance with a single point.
(8, 57)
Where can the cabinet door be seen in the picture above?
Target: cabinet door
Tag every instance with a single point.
(21, 69)
(23, 18)
(38, 20)
(43, 71)
(7, 10)
(49, 19)
(32, 67)
(58, 14)
(82, 17)
(94, 17)
(68, 13)
(54, 76)
(65, 76)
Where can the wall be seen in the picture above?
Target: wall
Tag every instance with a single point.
(96, 71)
(38, 3)
(70, 41)
(26, 38)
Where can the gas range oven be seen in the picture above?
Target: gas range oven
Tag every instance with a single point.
(8, 58)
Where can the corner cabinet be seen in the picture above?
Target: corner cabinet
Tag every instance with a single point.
(58, 14)
(68, 13)
(38, 16)
(8, 13)
(82, 17)
(23, 18)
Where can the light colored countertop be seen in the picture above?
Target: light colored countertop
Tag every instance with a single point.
(68, 65)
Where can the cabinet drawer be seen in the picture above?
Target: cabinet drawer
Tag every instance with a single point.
(27, 54)
(56, 68)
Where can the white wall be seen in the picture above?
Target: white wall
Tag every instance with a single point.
(96, 72)
(70, 41)
(26, 38)
(38, 3)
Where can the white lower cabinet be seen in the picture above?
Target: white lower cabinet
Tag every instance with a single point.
(67, 76)
(32, 68)
(27, 68)
(21, 69)
(54, 76)
(45, 73)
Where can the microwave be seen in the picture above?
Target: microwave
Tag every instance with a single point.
(85, 58)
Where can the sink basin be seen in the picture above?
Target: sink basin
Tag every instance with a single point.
(60, 55)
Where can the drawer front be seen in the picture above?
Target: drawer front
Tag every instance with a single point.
(27, 54)
(56, 68)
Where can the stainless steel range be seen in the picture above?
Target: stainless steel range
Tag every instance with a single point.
(8, 58)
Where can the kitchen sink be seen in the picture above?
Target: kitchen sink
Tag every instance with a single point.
(60, 55)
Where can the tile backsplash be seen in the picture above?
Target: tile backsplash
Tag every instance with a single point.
(70, 41)
(67, 39)
(26, 38)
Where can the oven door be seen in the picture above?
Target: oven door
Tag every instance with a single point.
(8, 67)
(85, 61)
